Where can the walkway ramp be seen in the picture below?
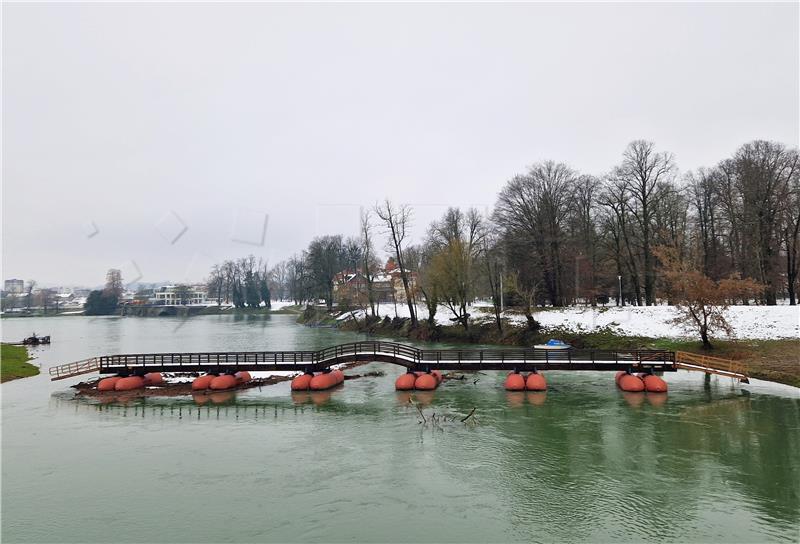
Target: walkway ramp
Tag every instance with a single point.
(712, 365)
(74, 369)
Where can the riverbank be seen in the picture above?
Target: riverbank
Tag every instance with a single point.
(14, 363)
(277, 308)
(771, 359)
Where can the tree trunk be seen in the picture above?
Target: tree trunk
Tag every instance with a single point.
(533, 325)
(704, 337)
(649, 268)
(791, 279)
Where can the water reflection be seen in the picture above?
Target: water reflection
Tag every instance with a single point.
(634, 399)
(536, 398)
(223, 397)
(515, 399)
(301, 397)
(424, 398)
(713, 452)
(518, 399)
(318, 398)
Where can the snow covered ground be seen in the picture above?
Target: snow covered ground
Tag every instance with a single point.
(280, 304)
(748, 322)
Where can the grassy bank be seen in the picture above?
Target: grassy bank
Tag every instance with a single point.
(38, 313)
(13, 363)
(772, 360)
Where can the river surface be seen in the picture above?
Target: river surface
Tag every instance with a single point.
(583, 462)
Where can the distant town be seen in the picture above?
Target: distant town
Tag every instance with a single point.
(22, 298)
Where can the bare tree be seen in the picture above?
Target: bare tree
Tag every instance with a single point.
(706, 204)
(645, 175)
(493, 259)
(46, 297)
(29, 297)
(419, 260)
(298, 282)
(114, 282)
(278, 277)
(584, 238)
(762, 174)
(397, 221)
(701, 300)
(535, 207)
(618, 224)
(368, 257)
(791, 240)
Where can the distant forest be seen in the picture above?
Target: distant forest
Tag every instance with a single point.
(560, 237)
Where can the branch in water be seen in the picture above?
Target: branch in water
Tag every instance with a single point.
(469, 415)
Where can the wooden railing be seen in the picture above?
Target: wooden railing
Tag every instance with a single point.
(409, 356)
(711, 365)
(365, 348)
(74, 369)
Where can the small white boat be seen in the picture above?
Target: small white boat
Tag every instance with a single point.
(553, 345)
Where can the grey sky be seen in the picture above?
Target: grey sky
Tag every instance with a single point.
(120, 115)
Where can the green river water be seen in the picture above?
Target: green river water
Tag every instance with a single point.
(583, 462)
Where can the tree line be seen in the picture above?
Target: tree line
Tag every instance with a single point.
(243, 282)
(558, 237)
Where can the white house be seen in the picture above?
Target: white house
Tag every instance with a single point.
(170, 295)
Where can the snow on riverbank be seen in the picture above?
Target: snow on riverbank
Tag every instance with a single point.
(748, 322)
(280, 304)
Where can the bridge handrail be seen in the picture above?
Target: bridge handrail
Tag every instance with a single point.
(402, 350)
(401, 353)
(78, 367)
(220, 358)
(376, 347)
(712, 363)
(544, 354)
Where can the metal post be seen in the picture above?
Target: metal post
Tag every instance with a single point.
(501, 292)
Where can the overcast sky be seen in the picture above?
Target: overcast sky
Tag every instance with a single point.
(158, 138)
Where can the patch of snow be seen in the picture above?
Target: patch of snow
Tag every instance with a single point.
(280, 304)
(748, 322)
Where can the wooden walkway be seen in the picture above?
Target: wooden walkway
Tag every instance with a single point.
(399, 354)
(711, 365)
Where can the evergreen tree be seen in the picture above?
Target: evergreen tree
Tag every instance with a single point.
(101, 303)
(264, 292)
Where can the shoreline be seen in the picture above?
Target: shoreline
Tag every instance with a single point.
(184, 312)
(14, 363)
